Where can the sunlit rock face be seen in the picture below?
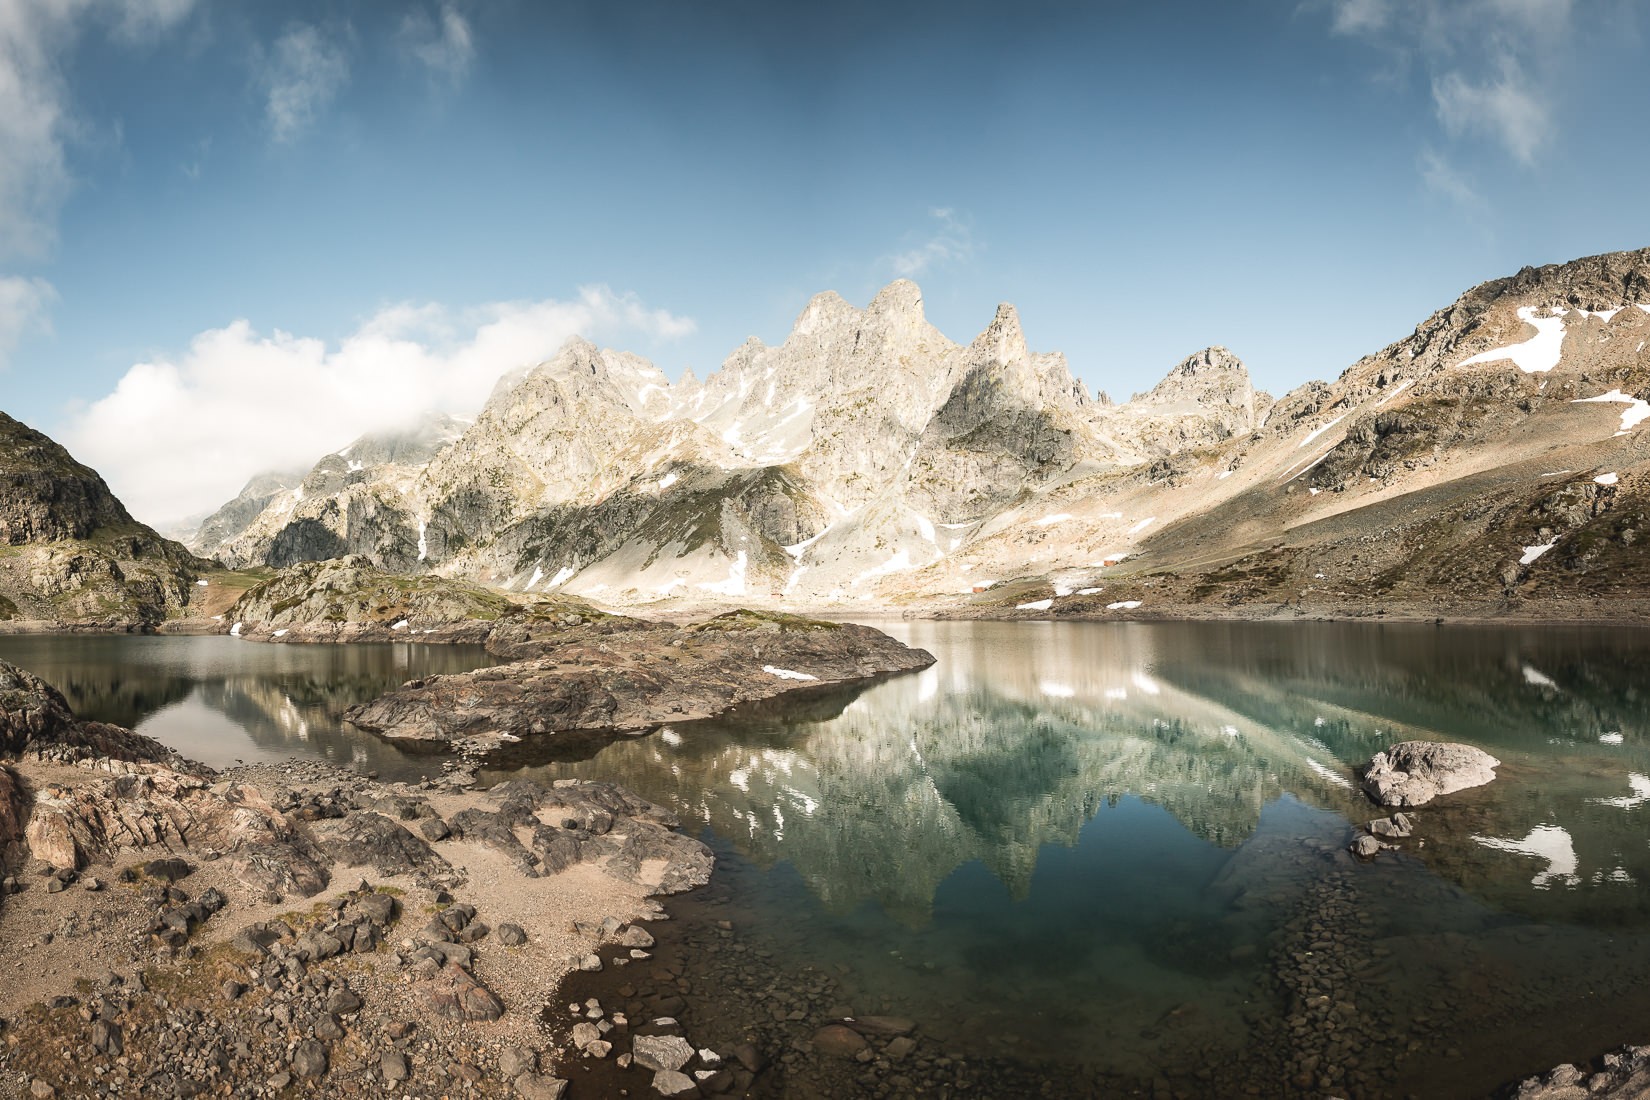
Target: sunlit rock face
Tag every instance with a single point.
(1487, 456)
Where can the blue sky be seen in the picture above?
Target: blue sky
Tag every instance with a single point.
(234, 236)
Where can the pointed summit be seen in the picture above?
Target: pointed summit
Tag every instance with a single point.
(1003, 341)
(822, 311)
(901, 298)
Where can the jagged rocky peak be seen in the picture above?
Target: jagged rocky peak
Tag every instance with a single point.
(403, 446)
(823, 310)
(1211, 377)
(1000, 363)
(45, 495)
(1003, 341)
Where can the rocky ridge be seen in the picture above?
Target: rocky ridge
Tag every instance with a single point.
(70, 552)
(865, 447)
(1487, 464)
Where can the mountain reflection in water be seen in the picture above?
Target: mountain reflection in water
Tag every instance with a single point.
(220, 700)
(1022, 731)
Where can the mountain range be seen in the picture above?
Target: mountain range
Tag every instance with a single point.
(1490, 460)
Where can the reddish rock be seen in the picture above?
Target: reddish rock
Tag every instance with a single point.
(455, 994)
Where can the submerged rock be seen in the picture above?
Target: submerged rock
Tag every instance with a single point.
(1413, 773)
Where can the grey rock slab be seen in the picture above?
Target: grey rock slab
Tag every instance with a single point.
(661, 1052)
(669, 1082)
(515, 1061)
(392, 1065)
(534, 1086)
(1413, 773)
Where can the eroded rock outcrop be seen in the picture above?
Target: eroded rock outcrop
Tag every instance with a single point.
(1413, 773)
(584, 681)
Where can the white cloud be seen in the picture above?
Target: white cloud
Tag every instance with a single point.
(444, 44)
(952, 242)
(37, 120)
(303, 76)
(1505, 107)
(25, 305)
(181, 434)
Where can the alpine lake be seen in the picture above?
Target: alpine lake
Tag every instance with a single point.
(1083, 859)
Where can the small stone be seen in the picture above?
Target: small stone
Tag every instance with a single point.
(515, 1061)
(392, 1064)
(106, 1038)
(900, 1047)
(309, 1059)
(590, 963)
(280, 1081)
(1365, 847)
(434, 829)
(342, 1002)
(599, 1048)
(533, 1086)
(584, 1034)
(93, 884)
(511, 935)
(710, 1057)
(636, 937)
(41, 1089)
(669, 1082)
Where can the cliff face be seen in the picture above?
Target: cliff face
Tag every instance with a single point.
(69, 551)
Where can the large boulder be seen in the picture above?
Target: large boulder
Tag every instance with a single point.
(1413, 773)
(30, 710)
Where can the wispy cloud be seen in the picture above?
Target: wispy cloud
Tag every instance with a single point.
(34, 121)
(302, 76)
(443, 43)
(25, 307)
(951, 242)
(238, 401)
(1442, 178)
(1493, 67)
(37, 118)
(1360, 16)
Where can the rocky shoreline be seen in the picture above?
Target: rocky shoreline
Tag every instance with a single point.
(297, 930)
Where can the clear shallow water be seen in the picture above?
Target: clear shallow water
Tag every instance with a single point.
(1119, 846)
(222, 701)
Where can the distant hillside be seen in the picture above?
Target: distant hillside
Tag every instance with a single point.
(69, 551)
